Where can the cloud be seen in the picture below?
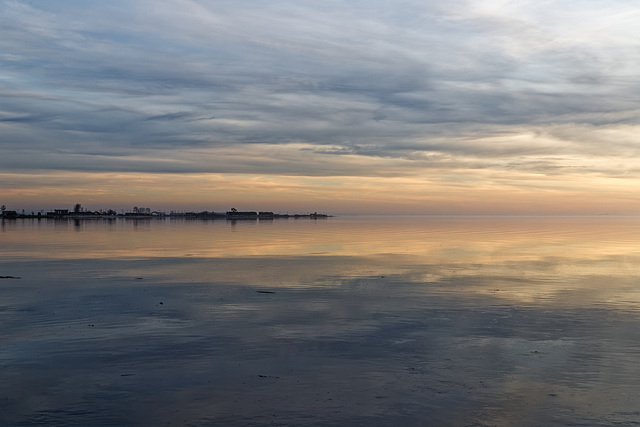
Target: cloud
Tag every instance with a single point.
(321, 89)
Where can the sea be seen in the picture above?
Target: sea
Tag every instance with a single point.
(340, 321)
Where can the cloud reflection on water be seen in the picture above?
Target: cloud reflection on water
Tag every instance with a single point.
(434, 322)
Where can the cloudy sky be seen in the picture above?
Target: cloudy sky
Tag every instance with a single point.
(463, 106)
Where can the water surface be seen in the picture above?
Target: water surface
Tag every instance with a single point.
(495, 321)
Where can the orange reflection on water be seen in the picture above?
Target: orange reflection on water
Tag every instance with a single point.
(437, 240)
(442, 239)
(528, 259)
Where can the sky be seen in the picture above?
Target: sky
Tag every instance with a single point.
(337, 106)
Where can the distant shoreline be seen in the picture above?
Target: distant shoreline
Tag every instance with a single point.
(232, 216)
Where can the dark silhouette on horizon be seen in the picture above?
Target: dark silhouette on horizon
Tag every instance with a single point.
(79, 212)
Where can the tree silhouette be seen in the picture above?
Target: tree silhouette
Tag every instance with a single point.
(77, 208)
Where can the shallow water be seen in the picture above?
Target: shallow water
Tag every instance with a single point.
(495, 321)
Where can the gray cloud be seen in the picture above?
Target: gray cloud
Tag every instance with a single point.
(410, 81)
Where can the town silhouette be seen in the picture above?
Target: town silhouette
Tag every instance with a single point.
(80, 212)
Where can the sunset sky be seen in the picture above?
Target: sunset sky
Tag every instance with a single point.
(331, 106)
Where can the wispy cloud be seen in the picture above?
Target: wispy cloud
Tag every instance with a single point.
(330, 89)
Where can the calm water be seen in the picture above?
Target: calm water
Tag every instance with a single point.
(466, 321)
